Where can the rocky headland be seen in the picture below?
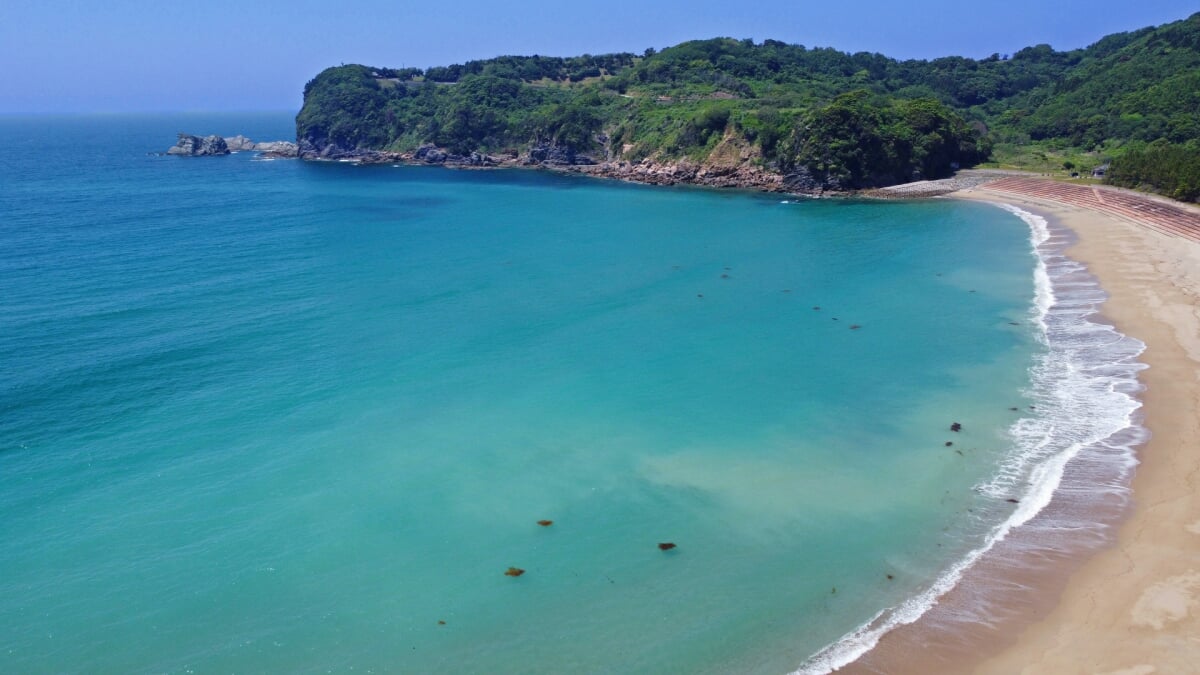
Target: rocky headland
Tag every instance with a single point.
(735, 168)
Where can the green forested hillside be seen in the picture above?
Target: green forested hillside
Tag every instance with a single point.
(850, 120)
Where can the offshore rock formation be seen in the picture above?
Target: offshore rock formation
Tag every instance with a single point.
(239, 143)
(277, 148)
(195, 146)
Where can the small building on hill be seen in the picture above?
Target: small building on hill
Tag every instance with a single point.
(1099, 171)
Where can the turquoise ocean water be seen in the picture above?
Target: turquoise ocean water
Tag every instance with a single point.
(282, 416)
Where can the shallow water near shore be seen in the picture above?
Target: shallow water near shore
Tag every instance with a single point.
(274, 415)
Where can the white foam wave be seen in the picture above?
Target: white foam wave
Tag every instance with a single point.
(1083, 384)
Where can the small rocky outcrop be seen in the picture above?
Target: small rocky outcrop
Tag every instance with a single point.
(239, 143)
(195, 146)
(431, 154)
(277, 148)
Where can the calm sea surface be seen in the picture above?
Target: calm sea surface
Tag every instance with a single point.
(283, 416)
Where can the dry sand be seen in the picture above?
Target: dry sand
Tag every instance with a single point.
(1134, 608)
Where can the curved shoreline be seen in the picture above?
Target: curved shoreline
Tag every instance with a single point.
(1126, 604)
(1132, 607)
(1081, 434)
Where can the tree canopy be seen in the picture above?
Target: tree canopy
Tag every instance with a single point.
(862, 118)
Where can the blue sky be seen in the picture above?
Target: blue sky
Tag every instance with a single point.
(143, 55)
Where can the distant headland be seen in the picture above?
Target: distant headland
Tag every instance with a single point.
(777, 116)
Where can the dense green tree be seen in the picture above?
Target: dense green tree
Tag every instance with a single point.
(1173, 170)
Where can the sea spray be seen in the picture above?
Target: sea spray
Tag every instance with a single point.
(1085, 385)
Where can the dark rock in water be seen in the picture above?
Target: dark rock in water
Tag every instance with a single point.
(949, 443)
(441, 622)
(514, 572)
(956, 427)
(855, 326)
(1010, 500)
(194, 146)
(666, 546)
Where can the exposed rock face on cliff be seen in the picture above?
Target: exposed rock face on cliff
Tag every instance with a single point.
(548, 154)
(194, 146)
(747, 176)
(733, 164)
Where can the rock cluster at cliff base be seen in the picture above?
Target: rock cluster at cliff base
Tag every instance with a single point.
(196, 146)
(746, 175)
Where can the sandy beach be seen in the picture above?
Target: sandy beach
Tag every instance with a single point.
(1128, 604)
(1134, 608)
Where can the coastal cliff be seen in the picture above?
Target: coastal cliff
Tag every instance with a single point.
(362, 114)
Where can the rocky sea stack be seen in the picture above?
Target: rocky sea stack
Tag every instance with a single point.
(196, 146)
